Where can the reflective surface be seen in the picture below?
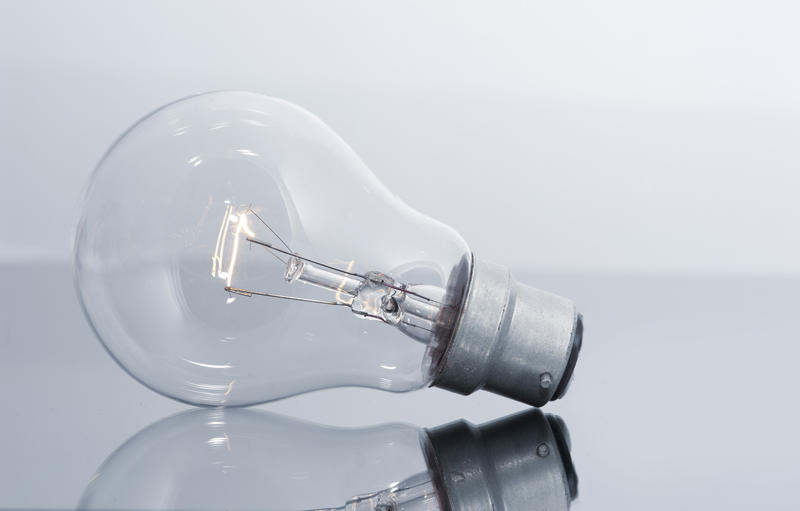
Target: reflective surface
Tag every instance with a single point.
(239, 458)
(683, 399)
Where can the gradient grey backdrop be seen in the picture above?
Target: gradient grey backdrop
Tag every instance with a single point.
(593, 135)
(639, 157)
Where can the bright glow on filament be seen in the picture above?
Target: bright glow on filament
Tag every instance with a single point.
(242, 225)
(216, 259)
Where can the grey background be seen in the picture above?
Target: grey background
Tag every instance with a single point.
(640, 158)
(630, 136)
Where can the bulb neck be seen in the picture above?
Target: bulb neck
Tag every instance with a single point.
(511, 339)
(518, 462)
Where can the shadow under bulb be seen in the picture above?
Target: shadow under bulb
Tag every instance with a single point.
(234, 250)
(233, 458)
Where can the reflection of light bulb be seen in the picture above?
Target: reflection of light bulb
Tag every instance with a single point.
(250, 459)
(232, 247)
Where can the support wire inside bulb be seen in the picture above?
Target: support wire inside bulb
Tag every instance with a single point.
(371, 295)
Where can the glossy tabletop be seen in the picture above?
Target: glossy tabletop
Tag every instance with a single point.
(684, 396)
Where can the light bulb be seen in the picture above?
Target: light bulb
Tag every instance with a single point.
(242, 459)
(234, 250)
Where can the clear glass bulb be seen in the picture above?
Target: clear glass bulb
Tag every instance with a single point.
(234, 250)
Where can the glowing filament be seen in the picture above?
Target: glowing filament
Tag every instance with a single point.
(242, 225)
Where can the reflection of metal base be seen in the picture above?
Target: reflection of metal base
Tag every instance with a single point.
(511, 339)
(520, 462)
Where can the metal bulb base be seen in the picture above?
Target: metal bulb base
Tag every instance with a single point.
(511, 339)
